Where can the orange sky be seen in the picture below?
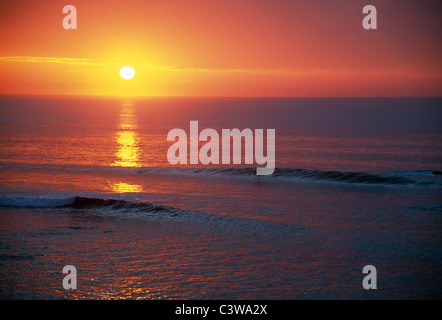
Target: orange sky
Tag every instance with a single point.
(222, 48)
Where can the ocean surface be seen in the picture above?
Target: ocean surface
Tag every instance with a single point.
(85, 181)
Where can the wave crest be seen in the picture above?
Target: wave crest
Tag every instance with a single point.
(410, 178)
(79, 202)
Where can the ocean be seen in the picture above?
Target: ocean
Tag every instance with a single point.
(85, 181)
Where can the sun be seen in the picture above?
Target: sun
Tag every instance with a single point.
(127, 73)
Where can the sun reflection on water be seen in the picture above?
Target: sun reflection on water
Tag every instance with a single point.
(128, 153)
(122, 187)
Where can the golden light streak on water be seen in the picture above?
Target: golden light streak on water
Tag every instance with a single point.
(122, 187)
(128, 153)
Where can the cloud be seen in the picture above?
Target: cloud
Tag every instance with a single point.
(89, 62)
(69, 61)
(262, 71)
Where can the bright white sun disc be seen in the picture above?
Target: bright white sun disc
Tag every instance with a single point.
(127, 73)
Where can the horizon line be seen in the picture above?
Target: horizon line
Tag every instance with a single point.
(217, 97)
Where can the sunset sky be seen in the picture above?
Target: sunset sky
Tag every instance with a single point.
(314, 48)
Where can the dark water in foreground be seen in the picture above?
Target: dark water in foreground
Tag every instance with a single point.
(86, 182)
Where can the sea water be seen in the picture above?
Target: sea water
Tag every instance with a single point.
(85, 181)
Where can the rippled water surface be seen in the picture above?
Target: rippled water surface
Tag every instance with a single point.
(86, 182)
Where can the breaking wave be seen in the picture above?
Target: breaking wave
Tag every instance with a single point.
(79, 202)
(95, 206)
(416, 178)
(409, 178)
